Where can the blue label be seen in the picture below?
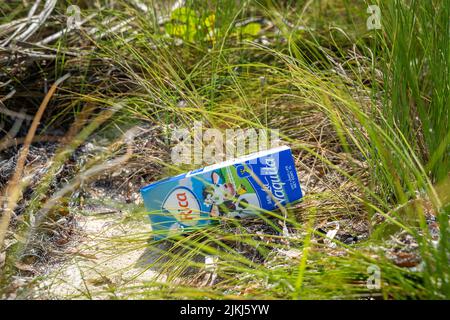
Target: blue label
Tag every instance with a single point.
(264, 180)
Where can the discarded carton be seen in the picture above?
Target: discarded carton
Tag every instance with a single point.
(237, 189)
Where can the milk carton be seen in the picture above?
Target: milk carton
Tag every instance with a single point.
(236, 188)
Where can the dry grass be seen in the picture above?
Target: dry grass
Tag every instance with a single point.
(105, 133)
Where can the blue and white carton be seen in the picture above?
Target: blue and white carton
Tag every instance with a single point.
(237, 188)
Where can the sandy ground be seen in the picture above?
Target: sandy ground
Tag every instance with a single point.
(102, 259)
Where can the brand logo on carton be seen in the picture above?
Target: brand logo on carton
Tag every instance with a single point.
(183, 205)
(273, 181)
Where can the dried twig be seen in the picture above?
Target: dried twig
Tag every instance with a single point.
(21, 26)
(58, 35)
(11, 133)
(34, 26)
(13, 189)
(10, 141)
(11, 113)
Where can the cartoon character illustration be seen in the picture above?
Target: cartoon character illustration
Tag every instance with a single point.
(245, 205)
(226, 200)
